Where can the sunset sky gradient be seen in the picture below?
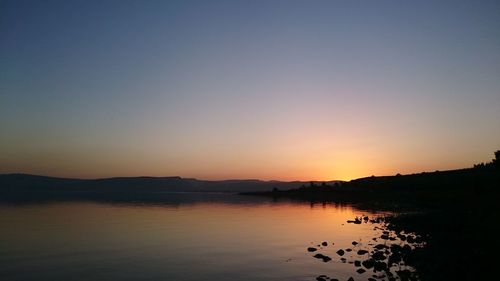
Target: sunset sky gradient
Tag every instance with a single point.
(285, 90)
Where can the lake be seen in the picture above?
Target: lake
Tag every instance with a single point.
(187, 236)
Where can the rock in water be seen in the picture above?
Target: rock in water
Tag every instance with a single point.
(380, 266)
(395, 258)
(322, 278)
(323, 257)
(378, 256)
(368, 263)
(360, 271)
(311, 249)
(324, 244)
(340, 252)
(355, 221)
(362, 252)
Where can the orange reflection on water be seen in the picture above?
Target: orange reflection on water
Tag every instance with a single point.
(210, 237)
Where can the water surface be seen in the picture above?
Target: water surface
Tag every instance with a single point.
(188, 237)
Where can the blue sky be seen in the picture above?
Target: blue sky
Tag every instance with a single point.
(248, 89)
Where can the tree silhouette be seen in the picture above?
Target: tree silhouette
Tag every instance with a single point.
(496, 161)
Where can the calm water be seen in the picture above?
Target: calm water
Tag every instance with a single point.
(188, 237)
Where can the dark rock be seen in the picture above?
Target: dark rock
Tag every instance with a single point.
(380, 246)
(348, 250)
(357, 263)
(406, 249)
(395, 258)
(323, 257)
(340, 252)
(410, 239)
(378, 256)
(379, 266)
(311, 249)
(396, 248)
(368, 263)
(360, 271)
(355, 221)
(354, 243)
(321, 278)
(343, 260)
(385, 237)
(350, 279)
(362, 252)
(324, 244)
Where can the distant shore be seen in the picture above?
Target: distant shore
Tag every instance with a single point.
(423, 190)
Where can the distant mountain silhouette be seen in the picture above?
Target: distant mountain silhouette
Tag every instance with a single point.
(19, 183)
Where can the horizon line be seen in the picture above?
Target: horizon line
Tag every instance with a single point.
(228, 179)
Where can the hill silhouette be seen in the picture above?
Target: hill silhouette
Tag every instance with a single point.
(30, 187)
(426, 189)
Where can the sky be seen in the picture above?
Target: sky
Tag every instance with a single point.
(283, 90)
